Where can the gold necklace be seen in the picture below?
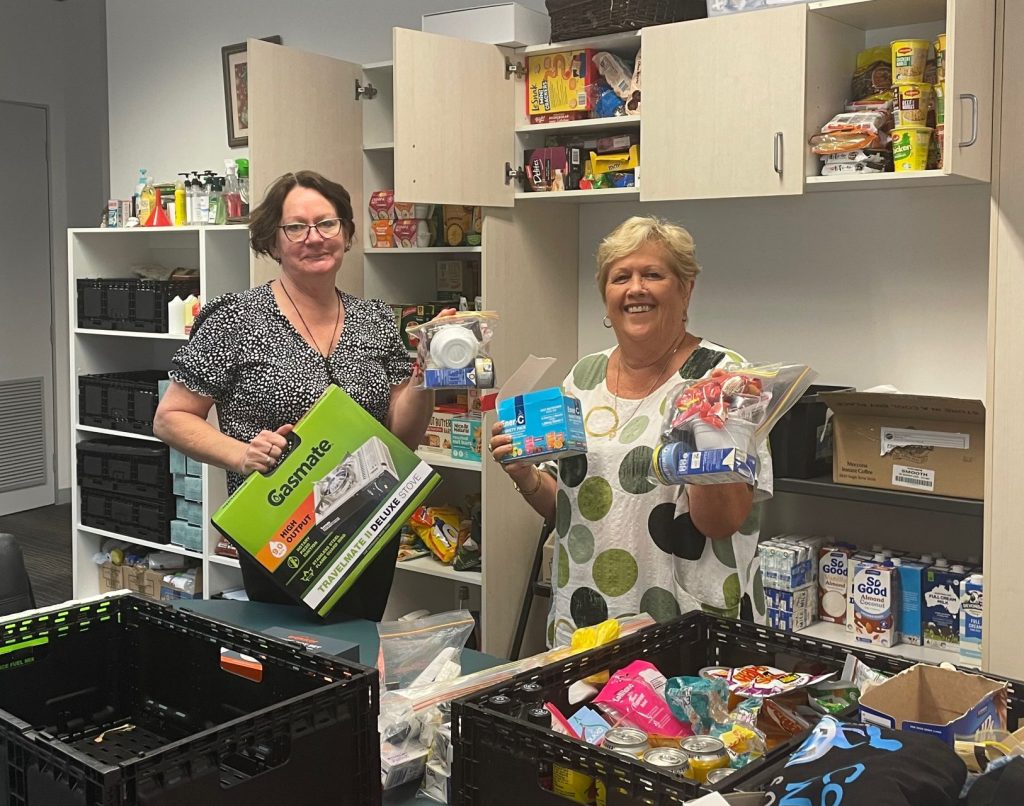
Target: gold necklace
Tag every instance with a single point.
(312, 338)
(618, 374)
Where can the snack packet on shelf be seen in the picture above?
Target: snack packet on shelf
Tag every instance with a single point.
(438, 528)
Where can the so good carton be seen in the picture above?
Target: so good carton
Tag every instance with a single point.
(343, 489)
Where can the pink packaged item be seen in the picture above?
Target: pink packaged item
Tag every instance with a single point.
(382, 205)
(635, 695)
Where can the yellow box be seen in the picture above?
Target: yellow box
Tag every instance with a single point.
(562, 81)
(606, 163)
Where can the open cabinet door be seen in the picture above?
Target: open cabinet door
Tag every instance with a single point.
(970, 34)
(454, 121)
(303, 115)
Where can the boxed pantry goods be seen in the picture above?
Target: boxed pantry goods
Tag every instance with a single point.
(915, 443)
(120, 701)
(508, 24)
(342, 490)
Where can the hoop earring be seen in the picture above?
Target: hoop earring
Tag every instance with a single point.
(606, 321)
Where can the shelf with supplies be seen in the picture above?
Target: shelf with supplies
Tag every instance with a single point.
(431, 567)
(824, 487)
(230, 562)
(143, 494)
(439, 459)
(885, 181)
(584, 196)
(585, 125)
(837, 634)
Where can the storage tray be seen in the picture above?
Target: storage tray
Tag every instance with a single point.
(201, 735)
(122, 401)
(124, 466)
(145, 518)
(129, 303)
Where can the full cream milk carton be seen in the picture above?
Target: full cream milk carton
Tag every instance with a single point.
(833, 562)
(971, 599)
(940, 617)
(908, 609)
(873, 595)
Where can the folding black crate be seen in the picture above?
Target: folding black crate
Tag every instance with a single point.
(798, 449)
(305, 733)
(498, 758)
(145, 518)
(122, 401)
(124, 466)
(128, 303)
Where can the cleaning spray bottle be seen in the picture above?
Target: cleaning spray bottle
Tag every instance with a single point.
(243, 184)
(180, 201)
(232, 195)
(147, 201)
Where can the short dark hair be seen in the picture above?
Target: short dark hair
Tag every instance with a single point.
(266, 218)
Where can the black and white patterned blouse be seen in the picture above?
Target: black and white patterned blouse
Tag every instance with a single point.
(261, 373)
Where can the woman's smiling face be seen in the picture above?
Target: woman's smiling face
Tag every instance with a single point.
(644, 299)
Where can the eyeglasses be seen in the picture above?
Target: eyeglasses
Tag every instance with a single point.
(328, 228)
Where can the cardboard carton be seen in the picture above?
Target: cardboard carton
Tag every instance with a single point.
(508, 24)
(111, 578)
(933, 445)
(326, 510)
(942, 702)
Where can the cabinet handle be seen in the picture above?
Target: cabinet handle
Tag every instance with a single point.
(777, 153)
(970, 96)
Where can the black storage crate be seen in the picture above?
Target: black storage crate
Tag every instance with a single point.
(128, 303)
(798, 450)
(579, 19)
(145, 518)
(123, 401)
(124, 466)
(306, 733)
(498, 758)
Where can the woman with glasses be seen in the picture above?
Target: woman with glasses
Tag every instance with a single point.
(626, 545)
(265, 355)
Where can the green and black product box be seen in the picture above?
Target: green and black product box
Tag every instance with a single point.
(343, 489)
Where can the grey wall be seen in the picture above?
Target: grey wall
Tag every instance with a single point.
(166, 85)
(54, 54)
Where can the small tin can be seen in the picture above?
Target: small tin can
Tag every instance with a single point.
(626, 740)
(714, 672)
(718, 775)
(666, 462)
(668, 759)
(706, 754)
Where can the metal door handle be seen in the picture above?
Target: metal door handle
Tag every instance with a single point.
(970, 96)
(777, 153)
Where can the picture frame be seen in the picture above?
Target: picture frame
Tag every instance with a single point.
(235, 64)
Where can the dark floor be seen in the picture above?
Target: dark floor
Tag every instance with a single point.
(44, 535)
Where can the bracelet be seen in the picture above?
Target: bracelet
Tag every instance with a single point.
(535, 490)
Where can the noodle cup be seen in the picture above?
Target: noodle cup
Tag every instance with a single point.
(940, 58)
(909, 59)
(910, 148)
(910, 104)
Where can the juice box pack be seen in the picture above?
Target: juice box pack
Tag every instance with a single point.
(341, 491)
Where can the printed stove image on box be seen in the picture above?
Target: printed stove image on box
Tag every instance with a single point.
(342, 491)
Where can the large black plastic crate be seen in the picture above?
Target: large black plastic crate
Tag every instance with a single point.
(145, 518)
(798, 451)
(307, 733)
(498, 758)
(128, 303)
(122, 401)
(124, 466)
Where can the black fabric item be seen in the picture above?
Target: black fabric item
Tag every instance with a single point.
(15, 586)
(1003, 786)
(854, 764)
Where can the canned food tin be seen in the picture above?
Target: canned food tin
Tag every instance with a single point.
(706, 754)
(714, 672)
(719, 775)
(667, 758)
(628, 740)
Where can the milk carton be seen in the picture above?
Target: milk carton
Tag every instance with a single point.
(859, 557)
(874, 598)
(940, 617)
(970, 619)
(908, 608)
(832, 574)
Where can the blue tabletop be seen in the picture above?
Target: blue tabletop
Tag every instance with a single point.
(259, 616)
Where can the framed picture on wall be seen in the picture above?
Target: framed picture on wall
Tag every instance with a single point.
(236, 90)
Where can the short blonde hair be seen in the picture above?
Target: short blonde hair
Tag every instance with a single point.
(638, 231)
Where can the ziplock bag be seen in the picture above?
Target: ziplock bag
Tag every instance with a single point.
(408, 647)
(454, 351)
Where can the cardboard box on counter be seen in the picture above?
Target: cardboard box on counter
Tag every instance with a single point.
(941, 702)
(910, 443)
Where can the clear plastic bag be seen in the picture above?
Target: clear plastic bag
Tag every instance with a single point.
(454, 351)
(712, 425)
(407, 648)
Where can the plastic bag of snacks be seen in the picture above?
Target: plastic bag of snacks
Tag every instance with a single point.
(454, 351)
(713, 424)
(438, 528)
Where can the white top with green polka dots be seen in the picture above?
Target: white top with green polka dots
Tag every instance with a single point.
(625, 545)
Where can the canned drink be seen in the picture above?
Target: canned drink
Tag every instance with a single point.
(626, 740)
(667, 758)
(706, 754)
(719, 775)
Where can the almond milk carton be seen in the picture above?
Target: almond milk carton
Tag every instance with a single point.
(832, 585)
(874, 600)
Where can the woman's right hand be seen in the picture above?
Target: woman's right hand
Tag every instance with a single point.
(264, 451)
(499, 447)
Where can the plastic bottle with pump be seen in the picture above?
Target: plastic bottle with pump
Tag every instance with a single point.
(203, 200)
(192, 202)
(216, 202)
(232, 194)
(243, 184)
(180, 201)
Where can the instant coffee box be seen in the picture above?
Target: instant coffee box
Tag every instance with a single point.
(342, 490)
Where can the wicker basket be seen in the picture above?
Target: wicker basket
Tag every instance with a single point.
(579, 19)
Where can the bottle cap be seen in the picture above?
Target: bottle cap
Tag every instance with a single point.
(243, 166)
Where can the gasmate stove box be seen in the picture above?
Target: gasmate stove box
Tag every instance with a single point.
(343, 489)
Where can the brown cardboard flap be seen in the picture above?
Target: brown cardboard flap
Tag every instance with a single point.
(917, 407)
(925, 693)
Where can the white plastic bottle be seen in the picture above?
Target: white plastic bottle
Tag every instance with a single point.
(176, 317)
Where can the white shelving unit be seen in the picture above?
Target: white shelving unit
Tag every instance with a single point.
(222, 256)
(837, 634)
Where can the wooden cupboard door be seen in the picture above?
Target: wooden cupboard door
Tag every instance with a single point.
(970, 41)
(723, 106)
(303, 115)
(454, 128)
